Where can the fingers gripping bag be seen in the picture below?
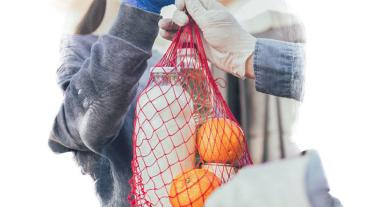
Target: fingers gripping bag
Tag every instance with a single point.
(186, 142)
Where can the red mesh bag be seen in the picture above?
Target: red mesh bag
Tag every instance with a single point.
(186, 142)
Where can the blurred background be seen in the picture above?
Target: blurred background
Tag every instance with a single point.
(336, 117)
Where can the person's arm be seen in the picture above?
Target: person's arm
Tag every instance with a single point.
(293, 182)
(278, 68)
(97, 97)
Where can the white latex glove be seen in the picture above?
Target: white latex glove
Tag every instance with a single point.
(226, 43)
(295, 182)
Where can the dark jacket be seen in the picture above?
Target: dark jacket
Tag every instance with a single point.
(99, 77)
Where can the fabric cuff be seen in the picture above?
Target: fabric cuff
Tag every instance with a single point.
(278, 68)
(138, 27)
(144, 6)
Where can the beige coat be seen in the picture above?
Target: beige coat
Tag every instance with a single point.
(269, 19)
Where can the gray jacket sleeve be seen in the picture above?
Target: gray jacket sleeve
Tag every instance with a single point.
(98, 93)
(279, 68)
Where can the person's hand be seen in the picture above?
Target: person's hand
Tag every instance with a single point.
(226, 43)
(293, 182)
(154, 6)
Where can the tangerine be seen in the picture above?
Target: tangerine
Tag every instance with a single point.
(220, 140)
(192, 188)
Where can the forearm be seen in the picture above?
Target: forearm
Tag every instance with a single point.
(278, 68)
(249, 71)
(98, 96)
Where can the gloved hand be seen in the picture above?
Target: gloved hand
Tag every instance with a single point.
(294, 182)
(154, 6)
(226, 43)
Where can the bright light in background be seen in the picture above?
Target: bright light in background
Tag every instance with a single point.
(336, 117)
(31, 175)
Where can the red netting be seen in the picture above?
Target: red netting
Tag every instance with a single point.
(186, 141)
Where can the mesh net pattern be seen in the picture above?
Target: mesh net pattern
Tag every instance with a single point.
(186, 142)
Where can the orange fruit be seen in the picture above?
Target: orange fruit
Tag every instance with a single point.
(192, 188)
(220, 140)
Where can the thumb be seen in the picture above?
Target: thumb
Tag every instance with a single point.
(195, 9)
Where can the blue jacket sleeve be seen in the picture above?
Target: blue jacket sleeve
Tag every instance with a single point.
(279, 68)
(100, 89)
